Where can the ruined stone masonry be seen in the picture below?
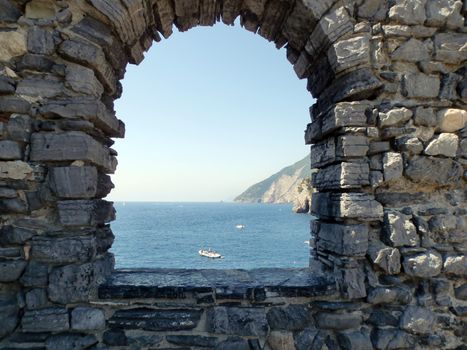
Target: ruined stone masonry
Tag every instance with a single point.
(388, 134)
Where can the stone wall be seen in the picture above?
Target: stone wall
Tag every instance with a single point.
(387, 133)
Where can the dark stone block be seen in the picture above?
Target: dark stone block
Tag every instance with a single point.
(237, 320)
(70, 341)
(7, 85)
(74, 182)
(40, 41)
(140, 341)
(13, 104)
(9, 310)
(85, 212)
(115, 337)
(355, 341)
(36, 275)
(36, 298)
(290, 318)
(11, 270)
(9, 11)
(381, 317)
(309, 339)
(434, 171)
(62, 250)
(52, 319)
(338, 321)
(13, 206)
(192, 340)
(35, 62)
(14, 235)
(233, 343)
(156, 319)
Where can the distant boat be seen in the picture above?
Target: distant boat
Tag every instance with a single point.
(240, 226)
(307, 242)
(208, 253)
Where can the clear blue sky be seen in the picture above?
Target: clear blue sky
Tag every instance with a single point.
(208, 113)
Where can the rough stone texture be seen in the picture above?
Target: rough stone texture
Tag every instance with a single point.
(387, 135)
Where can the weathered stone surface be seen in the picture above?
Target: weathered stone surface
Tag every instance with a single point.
(15, 170)
(70, 341)
(40, 41)
(346, 205)
(412, 50)
(408, 11)
(36, 275)
(19, 127)
(192, 340)
(395, 117)
(461, 292)
(40, 87)
(393, 166)
(349, 146)
(411, 145)
(70, 146)
(342, 175)
(445, 144)
(343, 239)
(52, 319)
(383, 295)
(356, 340)
(156, 319)
(36, 298)
(86, 318)
(391, 339)
(8, 310)
(441, 12)
(83, 80)
(10, 150)
(290, 318)
(433, 171)
(280, 340)
(74, 182)
(455, 265)
(14, 104)
(338, 321)
(115, 337)
(399, 230)
(234, 343)
(9, 11)
(388, 259)
(419, 85)
(63, 250)
(450, 47)
(425, 117)
(452, 120)
(236, 320)
(349, 53)
(424, 265)
(85, 212)
(12, 44)
(75, 283)
(11, 270)
(417, 320)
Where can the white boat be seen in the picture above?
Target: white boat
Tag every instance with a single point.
(240, 226)
(208, 253)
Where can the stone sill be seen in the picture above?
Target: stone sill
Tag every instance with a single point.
(255, 284)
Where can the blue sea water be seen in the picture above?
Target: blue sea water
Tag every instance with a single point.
(169, 235)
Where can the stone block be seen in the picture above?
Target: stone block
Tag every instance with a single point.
(14, 104)
(408, 11)
(36, 298)
(386, 258)
(40, 41)
(352, 146)
(419, 85)
(395, 117)
(451, 119)
(11, 270)
(450, 47)
(74, 181)
(9, 308)
(425, 117)
(391, 339)
(433, 171)
(12, 44)
(7, 85)
(10, 150)
(386, 295)
(455, 265)
(323, 153)
(376, 147)
(399, 230)
(412, 50)
(350, 53)
(411, 145)
(40, 87)
(82, 80)
(343, 239)
(192, 340)
(36, 275)
(342, 175)
(70, 146)
(444, 12)
(53, 319)
(63, 250)
(289, 318)
(247, 321)
(14, 235)
(359, 206)
(446, 144)
(70, 341)
(338, 321)
(9, 11)
(356, 340)
(423, 265)
(19, 127)
(461, 292)
(86, 318)
(78, 283)
(418, 320)
(85, 212)
(156, 319)
(6, 192)
(393, 166)
(115, 337)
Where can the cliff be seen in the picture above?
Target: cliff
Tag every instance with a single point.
(289, 185)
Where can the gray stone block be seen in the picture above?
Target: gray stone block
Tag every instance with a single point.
(417, 320)
(9, 309)
(246, 321)
(289, 318)
(386, 339)
(71, 341)
(352, 146)
(386, 258)
(40, 87)
(9, 11)
(58, 250)
(350, 53)
(419, 85)
(399, 230)
(36, 275)
(342, 175)
(356, 340)
(408, 11)
(74, 182)
(70, 146)
(423, 265)
(359, 206)
(395, 117)
(40, 41)
(19, 127)
(450, 47)
(86, 318)
(433, 171)
(85, 212)
(53, 319)
(14, 235)
(393, 166)
(338, 321)
(36, 298)
(192, 340)
(11, 270)
(343, 239)
(10, 150)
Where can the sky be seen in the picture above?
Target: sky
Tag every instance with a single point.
(208, 113)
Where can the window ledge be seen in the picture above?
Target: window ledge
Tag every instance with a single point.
(255, 284)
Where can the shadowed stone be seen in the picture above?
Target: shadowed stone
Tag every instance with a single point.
(63, 250)
(70, 341)
(246, 321)
(290, 318)
(343, 239)
(86, 318)
(338, 321)
(11, 270)
(74, 182)
(346, 205)
(52, 319)
(417, 320)
(192, 340)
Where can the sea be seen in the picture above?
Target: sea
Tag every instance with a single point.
(169, 235)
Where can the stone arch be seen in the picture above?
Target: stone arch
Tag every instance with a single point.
(387, 134)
